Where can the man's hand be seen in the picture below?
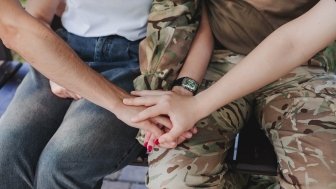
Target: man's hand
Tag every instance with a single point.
(63, 92)
(180, 109)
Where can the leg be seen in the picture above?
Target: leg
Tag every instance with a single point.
(90, 143)
(199, 162)
(299, 116)
(25, 128)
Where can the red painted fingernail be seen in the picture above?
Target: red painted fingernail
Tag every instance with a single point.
(149, 149)
(145, 144)
(156, 142)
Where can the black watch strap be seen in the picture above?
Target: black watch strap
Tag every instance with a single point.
(187, 83)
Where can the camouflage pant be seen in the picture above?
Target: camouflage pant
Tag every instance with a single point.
(298, 114)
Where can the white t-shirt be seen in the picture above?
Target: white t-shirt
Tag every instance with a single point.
(94, 18)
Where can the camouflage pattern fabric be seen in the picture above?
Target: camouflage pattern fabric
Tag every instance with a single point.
(325, 59)
(298, 114)
(199, 162)
(172, 25)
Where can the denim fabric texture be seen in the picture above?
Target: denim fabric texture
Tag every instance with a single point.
(47, 142)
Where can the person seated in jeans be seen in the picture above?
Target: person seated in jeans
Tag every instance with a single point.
(50, 137)
(52, 134)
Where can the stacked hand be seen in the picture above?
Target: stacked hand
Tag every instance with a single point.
(168, 119)
(178, 105)
(123, 112)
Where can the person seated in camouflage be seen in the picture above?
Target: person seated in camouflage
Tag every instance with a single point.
(49, 136)
(289, 73)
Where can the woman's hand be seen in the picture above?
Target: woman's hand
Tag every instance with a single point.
(150, 141)
(63, 92)
(181, 110)
(153, 125)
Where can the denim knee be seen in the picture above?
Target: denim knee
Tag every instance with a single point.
(54, 169)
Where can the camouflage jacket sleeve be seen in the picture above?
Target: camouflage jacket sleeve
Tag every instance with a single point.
(172, 25)
(326, 58)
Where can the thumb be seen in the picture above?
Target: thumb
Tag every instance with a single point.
(172, 136)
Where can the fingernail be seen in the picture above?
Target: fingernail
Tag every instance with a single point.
(145, 144)
(149, 149)
(156, 142)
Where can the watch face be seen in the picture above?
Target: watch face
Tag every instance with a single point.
(189, 84)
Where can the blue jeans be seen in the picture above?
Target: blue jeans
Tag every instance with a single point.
(47, 142)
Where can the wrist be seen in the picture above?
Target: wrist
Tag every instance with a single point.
(116, 104)
(187, 83)
(201, 106)
(182, 91)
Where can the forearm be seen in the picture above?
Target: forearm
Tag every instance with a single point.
(200, 52)
(52, 57)
(285, 49)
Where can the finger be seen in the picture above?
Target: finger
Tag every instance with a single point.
(141, 101)
(194, 130)
(72, 95)
(187, 134)
(181, 139)
(152, 128)
(170, 144)
(167, 145)
(150, 93)
(147, 137)
(172, 135)
(163, 121)
(78, 96)
(61, 94)
(150, 144)
(150, 112)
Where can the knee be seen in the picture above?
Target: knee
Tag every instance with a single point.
(54, 163)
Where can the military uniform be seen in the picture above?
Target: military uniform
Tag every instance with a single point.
(297, 112)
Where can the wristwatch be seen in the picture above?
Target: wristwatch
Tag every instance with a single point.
(187, 83)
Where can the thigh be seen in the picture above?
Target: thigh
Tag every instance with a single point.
(30, 120)
(90, 144)
(298, 113)
(199, 162)
(92, 139)
(34, 111)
